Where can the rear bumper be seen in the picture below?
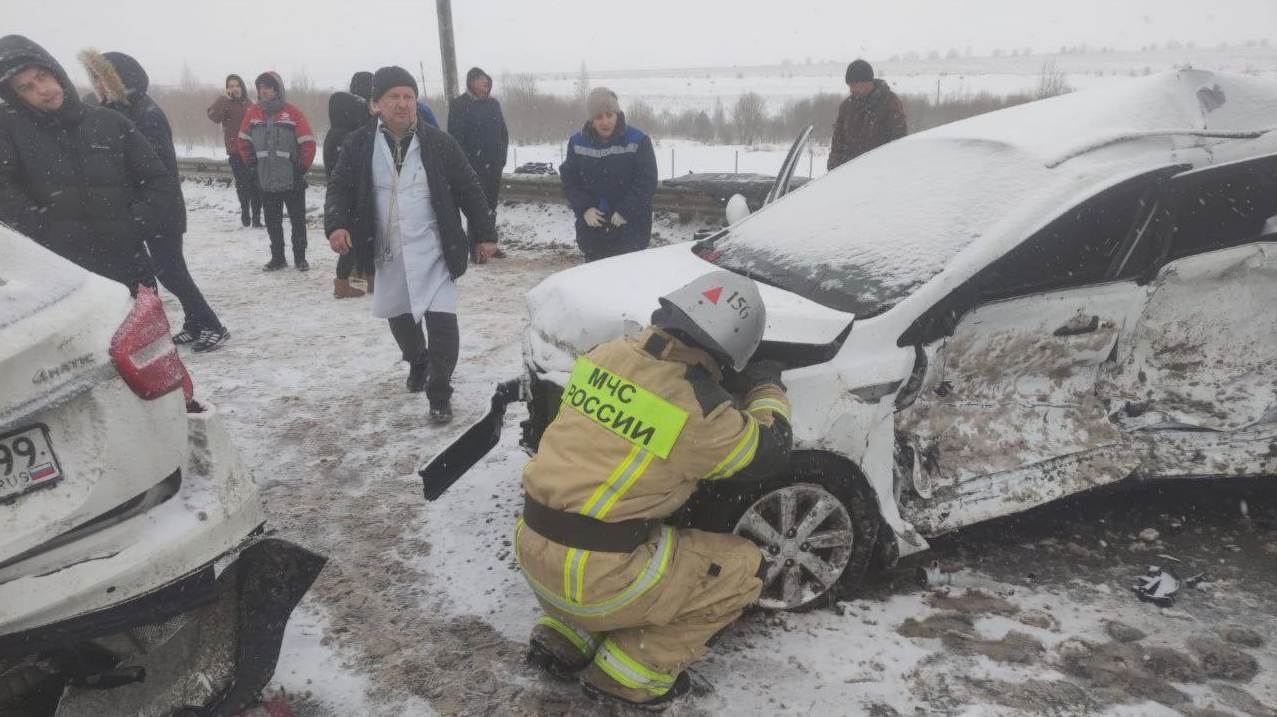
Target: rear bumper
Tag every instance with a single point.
(216, 507)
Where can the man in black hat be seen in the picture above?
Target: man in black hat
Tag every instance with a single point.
(78, 179)
(871, 116)
(395, 199)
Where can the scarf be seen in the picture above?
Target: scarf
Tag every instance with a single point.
(270, 107)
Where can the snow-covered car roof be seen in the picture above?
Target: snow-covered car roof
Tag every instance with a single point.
(872, 231)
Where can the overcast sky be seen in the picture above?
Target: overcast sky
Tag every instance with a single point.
(329, 39)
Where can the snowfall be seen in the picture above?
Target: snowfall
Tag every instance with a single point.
(421, 609)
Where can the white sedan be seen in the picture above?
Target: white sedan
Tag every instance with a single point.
(985, 317)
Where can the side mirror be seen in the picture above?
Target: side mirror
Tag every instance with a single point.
(737, 209)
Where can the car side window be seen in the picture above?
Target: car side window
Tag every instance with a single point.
(1078, 248)
(1074, 250)
(1223, 208)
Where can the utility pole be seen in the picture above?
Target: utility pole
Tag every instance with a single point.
(448, 49)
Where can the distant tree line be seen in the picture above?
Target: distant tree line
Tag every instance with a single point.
(536, 117)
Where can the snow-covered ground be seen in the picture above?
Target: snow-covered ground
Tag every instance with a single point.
(421, 609)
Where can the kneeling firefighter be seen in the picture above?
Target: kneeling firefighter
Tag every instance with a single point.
(629, 601)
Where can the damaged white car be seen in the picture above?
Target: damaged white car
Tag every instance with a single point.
(984, 317)
(135, 576)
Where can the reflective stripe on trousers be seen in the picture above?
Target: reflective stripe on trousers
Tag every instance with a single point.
(651, 574)
(629, 672)
(586, 642)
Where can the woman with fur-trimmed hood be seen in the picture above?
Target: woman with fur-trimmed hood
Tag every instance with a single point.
(121, 85)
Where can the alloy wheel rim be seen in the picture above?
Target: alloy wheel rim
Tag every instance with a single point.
(806, 537)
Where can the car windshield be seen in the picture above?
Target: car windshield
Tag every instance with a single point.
(867, 235)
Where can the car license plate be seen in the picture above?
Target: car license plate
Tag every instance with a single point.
(27, 462)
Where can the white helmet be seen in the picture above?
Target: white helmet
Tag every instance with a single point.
(721, 311)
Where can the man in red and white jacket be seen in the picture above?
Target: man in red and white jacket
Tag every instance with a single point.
(275, 138)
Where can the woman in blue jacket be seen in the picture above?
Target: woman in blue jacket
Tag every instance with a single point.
(609, 177)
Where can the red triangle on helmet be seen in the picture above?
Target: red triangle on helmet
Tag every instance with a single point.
(713, 294)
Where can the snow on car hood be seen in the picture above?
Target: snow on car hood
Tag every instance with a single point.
(582, 307)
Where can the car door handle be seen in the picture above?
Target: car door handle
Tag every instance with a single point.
(1079, 325)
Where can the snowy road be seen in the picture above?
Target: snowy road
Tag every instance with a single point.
(422, 611)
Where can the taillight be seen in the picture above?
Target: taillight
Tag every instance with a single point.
(143, 352)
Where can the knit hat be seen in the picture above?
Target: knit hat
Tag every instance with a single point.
(860, 71)
(361, 84)
(389, 77)
(601, 100)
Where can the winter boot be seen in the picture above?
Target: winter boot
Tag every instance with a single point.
(554, 653)
(275, 264)
(441, 412)
(243, 215)
(600, 687)
(417, 375)
(299, 258)
(343, 290)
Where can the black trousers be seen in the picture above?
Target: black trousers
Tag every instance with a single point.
(273, 204)
(170, 269)
(441, 358)
(490, 178)
(250, 195)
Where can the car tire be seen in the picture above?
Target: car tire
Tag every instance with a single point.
(822, 505)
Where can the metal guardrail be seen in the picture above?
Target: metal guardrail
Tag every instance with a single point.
(515, 187)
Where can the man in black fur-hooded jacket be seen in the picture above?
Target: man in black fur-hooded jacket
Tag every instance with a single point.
(78, 179)
(122, 85)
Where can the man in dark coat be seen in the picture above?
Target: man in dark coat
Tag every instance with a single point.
(394, 200)
(121, 84)
(228, 111)
(476, 122)
(871, 116)
(609, 177)
(78, 179)
(347, 112)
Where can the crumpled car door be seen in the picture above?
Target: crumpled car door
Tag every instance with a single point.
(1197, 376)
(1009, 416)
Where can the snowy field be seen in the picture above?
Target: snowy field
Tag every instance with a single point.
(422, 611)
(673, 157)
(701, 88)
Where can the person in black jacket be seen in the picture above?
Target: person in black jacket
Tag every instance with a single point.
(121, 85)
(476, 122)
(347, 112)
(394, 200)
(78, 179)
(609, 177)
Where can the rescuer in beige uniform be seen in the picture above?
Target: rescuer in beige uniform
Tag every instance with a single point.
(629, 601)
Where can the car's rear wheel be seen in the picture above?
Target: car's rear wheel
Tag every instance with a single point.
(808, 537)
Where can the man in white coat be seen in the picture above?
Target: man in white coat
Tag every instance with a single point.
(394, 200)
